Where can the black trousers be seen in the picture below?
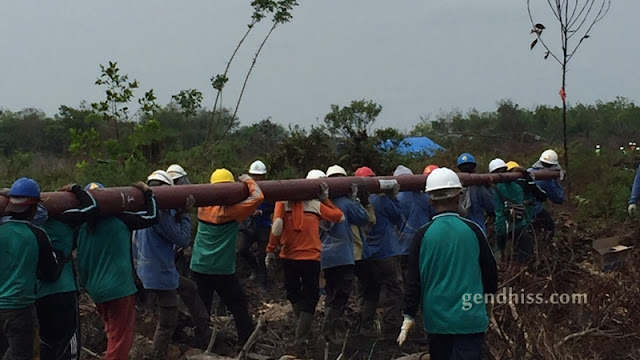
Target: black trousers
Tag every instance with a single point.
(523, 244)
(302, 283)
(456, 346)
(229, 289)
(338, 284)
(18, 326)
(368, 281)
(544, 219)
(260, 236)
(59, 318)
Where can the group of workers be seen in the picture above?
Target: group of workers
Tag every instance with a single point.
(390, 244)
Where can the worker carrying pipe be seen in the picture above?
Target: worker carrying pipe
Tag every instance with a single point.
(119, 199)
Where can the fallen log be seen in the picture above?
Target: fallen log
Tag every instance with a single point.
(118, 199)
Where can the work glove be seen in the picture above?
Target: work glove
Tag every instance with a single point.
(394, 191)
(189, 203)
(324, 191)
(530, 177)
(353, 195)
(142, 186)
(363, 195)
(270, 261)
(632, 209)
(244, 178)
(407, 325)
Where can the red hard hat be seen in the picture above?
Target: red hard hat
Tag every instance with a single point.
(427, 170)
(365, 171)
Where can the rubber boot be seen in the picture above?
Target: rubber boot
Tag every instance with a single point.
(296, 311)
(367, 318)
(329, 324)
(303, 331)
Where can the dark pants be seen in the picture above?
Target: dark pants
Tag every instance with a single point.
(229, 289)
(522, 244)
(167, 302)
(544, 219)
(59, 321)
(302, 282)
(368, 281)
(260, 236)
(391, 291)
(456, 346)
(338, 284)
(18, 326)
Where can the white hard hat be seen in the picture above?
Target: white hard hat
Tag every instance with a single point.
(336, 170)
(316, 174)
(161, 175)
(496, 164)
(176, 171)
(549, 157)
(258, 168)
(402, 170)
(443, 183)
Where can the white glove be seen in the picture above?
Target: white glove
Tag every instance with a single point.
(270, 261)
(354, 192)
(407, 325)
(632, 209)
(324, 191)
(244, 177)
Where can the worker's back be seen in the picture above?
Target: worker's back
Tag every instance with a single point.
(18, 264)
(449, 270)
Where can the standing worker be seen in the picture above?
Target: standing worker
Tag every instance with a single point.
(214, 260)
(296, 229)
(178, 175)
(105, 268)
(635, 194)
(26, 257)
(598, 150)
(548, 161)
(476, 201)
(383, 248)
(155, 265)
(450, 264)
(57, 305)
(256, 229)
(337, 256)
(416, 210)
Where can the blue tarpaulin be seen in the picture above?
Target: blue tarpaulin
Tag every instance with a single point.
(414, 145)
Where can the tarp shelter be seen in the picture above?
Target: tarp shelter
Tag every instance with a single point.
(414, 145)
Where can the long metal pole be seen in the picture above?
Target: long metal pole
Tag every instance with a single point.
(118, 199)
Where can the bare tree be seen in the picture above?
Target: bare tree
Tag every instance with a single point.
(576, 19)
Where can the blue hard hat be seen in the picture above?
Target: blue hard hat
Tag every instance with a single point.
(94, 185)
(466, 158)
(25, 187)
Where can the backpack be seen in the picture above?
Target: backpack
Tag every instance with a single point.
(465, 202)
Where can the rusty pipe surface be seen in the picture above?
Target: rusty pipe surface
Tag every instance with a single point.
(119, 199)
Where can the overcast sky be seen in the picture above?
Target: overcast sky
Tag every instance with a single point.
(414, 57)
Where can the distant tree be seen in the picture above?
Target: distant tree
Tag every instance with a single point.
(575, 19)
(190, 101)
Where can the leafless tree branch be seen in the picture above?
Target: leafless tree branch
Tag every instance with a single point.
(538, 34)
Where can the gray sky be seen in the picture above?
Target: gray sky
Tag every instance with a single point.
(414, 57)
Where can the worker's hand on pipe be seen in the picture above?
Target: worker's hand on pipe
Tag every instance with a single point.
(243, 178)
(324, 191)
(142, 186)
(189, 203)
(632, 209)
(270, 261)
(5, 192)
(530, 177)
(407, 325)
(394, 191)
(66, 187)
(354, 192)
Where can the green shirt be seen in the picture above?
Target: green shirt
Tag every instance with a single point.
(214, 249)
(18, 265)
(61, 236)
(450, 263)
(513, 193)
(105, 267)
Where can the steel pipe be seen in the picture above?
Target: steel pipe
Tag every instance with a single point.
(118, 199)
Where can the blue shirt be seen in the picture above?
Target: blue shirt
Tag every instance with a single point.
(337, 239)
(481, 203)
(382, 241)
(635, 190)
(416, 210)
(552, 188)
(153, 250)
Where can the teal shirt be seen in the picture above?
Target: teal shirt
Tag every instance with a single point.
(18, 265)
(104, 259)
(450, 262)
(214, 249)
(61, 236)
(513, 193)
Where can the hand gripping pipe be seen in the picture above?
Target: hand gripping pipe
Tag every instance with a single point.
(118, 199)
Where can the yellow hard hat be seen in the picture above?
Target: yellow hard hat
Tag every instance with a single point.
(512, 165)
(221, 176)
